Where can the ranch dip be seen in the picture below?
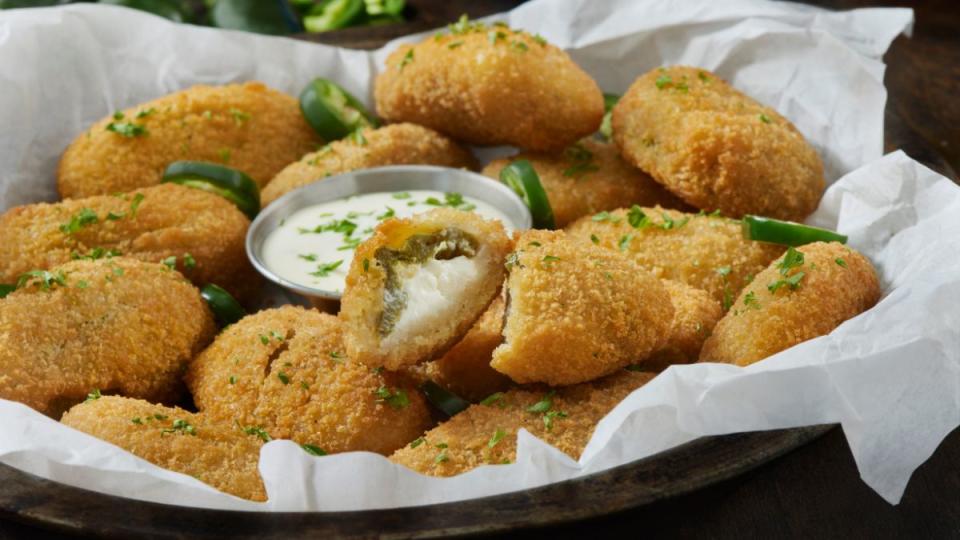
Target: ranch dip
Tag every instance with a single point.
(313, 247)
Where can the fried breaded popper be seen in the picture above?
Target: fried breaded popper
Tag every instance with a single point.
(695, 313)
(589, 177)
(119, 325)
(805, 294)
(283, 373)
(217, 454)
(418, 285)
(396, 144)
(576, 312)
(704, 251)
(489, 86)
(716, 147)
(465, 369)
(199, 233)
(486, 433)
(248, 127)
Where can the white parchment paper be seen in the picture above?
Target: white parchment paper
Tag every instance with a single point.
(891, 376)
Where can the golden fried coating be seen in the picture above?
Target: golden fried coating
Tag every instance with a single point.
(511, 88)
(248, 127)
(589, 177)
(576, 312)
(417, 285)
(486, 433)
(150, 224)
(695, 313)
(217, 454)
(285, 371)
(465, 369)
(715, 147)
(703, 251)
(396, 144)
(797, 298)
(120, 325)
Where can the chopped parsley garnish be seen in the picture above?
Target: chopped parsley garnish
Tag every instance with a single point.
(550, 258)
(764, 118)
(337, 356)
(624, 242)
(233, 379)
(358, 138)
(793, 282)
(135, 204)
(366, 265)
(750, 300)
(387, 215)
(284, 378)
(703, 77)
(127, 129)
(350, 242)
(578, 153)
(309, 257)
(144, 113)
(189, 262)
(663, 81)
(498, 436)
(137, 421)
(724, 271)
(304, 385)
(264, 339)
(95, 254)
(494, 35)
(396, 400)
(46, 279)
(519, 45)
(454, 44)
(442, 456)
(170, 262)
(496, 398)
(402, 195)
(540, 40)
(550, 415)
(180, 426)
(93, 396)
(545, 407)
(840, 262)
(637, 218)
(580, 170)
(239, 116)
(256, 431)
(417, 442)
(313, 450)
(407, 58)
(594, 239)
(324, 269)
(79, 220)
(342, 226)
(670, 223)
(605, 216)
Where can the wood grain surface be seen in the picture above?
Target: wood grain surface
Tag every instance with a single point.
(815, 491)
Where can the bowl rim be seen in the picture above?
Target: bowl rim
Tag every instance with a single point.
(307, 195)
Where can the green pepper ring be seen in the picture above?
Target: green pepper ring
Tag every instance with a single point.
(333, 15)
(525, 182)
(226, 310)
(444, 400)
(323, 105)
(230, 184)
(787, 233)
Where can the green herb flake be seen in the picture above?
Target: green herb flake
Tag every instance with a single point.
(387, 215)
(402, 195)
(144, 113)
(135, 204)
(840, 262)
(407, 58)
(264, 339)
(494, 399)
(519, 46)
(605, 217)
(670, 223)
(313, 450)
(764, 118)
(549, 416)
(180, 426)
(540, 40)
(358, 138)
(45, 279)
(137, 421)
(550, 258)
(498, 436)
(750, 300)
(284, 378)
(637, 218)
(624, 242)
(189, 262)
(580, 170)
(233, 379)
(127, 129)
(663, 81)
(79, 220)
(309, 257)
(544, 404)
(703, 77)
(594, 239)
(239, 116)
(93, 396)
(454, 44)
(325, 269)
(417, 442)
(170, 262)
(256, 431)
(366, 265)
(396, 400)
(442, 456)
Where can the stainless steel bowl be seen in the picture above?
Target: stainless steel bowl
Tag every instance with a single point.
(376, 180)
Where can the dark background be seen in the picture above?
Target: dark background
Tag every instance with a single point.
(815, 491)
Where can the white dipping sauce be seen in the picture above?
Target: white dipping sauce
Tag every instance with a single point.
(314, 246)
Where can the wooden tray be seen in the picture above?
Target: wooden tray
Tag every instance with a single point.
(28, 498)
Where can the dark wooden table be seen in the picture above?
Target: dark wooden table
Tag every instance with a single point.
(815, 491)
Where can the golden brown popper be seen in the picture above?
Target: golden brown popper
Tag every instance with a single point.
(221, 455)
(198, 233)
(490, 85)
(417, 285)
(589, 177)
(249, 127)
(284, 374)
(805, 294)
(115, 326)
(695, 313)
(704, 251)
(396, 144)
(576, 312)
(486, 433)
(715, 147)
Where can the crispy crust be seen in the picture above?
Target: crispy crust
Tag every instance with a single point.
(217, 454)
(248, 127)
(576, 312)
(396, 144)
(362, 301)
(692, 253)
(322, 397)
(828, 295)
(471, 435)
(516, 91)
(695, 314)
(715, 147)
(576, 190)
(121, 326)
(171, 220)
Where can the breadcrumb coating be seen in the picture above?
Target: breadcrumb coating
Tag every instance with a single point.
(715, 147)
(490, 86)
(220, 455)
(369, 295)
(249, 127)
(150, 224)
(704, 251)
(486, 433)
(588, 177)
(835, 283)
(396, 144)
(695, 314)
(121, 326)
(576, 312)
(285, 371)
